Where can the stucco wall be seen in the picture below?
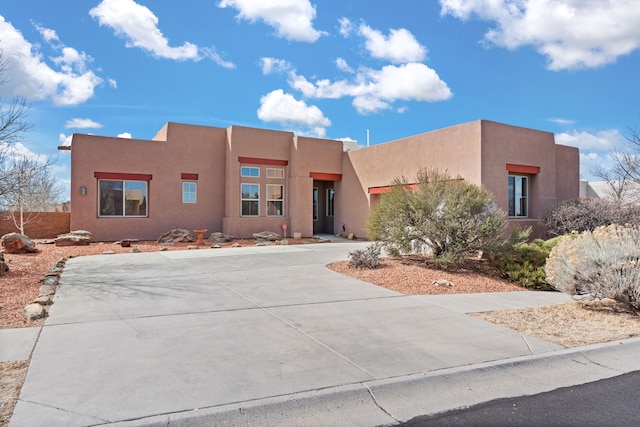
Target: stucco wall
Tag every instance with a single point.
(41, 225)
(188, 149)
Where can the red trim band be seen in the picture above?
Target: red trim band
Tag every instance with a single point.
(529, 170)
(258, 161)
(388, 188)
(326, 176)
(189, 176)
(123, 176)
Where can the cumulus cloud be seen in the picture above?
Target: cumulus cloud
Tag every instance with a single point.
(64, 140)
(572, 34)
(274, 65)
(78, 123)
(345, 27)
(125, 135)
(400, 46)
(139, 26)
(342, 65)
(600, 141)
(562, 121)
(291, 19)
(67, 80)
(374, 90)
(280, 107)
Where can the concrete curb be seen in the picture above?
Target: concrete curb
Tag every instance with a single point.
(395, 400)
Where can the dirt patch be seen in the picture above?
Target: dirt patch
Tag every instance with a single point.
(12, 375)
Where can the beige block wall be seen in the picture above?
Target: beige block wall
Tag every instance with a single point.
(188, 149)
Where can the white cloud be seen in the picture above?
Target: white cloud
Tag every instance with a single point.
(283, 108)
(342, 65)
(64, 140)
(374, 90)
(400, 46)
(572, 34)
(125, 135)
(562, 121)
(274, 65)
(345, 27)
(292, 19)
(67, 81)
(139, 26)
(112, 83)
(602, 141)
(82, 124)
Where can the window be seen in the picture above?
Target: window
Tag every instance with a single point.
(250, 200)
(249, 171)
(189, 192)
(330, 193)
(122, 198)
(315, 203)
(275, 173)
(275, 200)
(518, 192)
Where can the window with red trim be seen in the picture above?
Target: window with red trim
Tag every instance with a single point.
(122, 198)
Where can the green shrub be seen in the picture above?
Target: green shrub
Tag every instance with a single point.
(443, 216)
(524, 263)
(603, 263)
(366, 258)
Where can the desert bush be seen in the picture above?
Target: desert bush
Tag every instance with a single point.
(524, 263)
(366, 258)
(443, 215)
(580, 215)
(603, 263)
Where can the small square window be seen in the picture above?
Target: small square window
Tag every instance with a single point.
(250, 172)
(275, 173)
(189, 192)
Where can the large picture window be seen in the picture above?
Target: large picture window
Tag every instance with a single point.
(275, 200)
(189, 192)
(250, 199)
(518, 196)
(122, 198)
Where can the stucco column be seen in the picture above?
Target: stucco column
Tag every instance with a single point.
(301, 205)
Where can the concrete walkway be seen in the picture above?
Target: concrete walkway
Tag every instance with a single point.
(269, 336)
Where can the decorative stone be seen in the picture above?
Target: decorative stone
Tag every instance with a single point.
(4, 268)
(135, 250)
(50, 280)
(216, 246)
(43, 300)
(16, 243)
(108, 252)
(177, 235)
(191, 248)
(267, 235)
(163, 249)
(34, 312)
(218, 237)
(75, 238)
(47, 290)
(443, 282)
(351, 236)
(236, 245)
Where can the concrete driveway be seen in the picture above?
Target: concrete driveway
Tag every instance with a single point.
(269, 336)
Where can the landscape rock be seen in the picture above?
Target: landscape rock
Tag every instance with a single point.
(16, 243)
(47, 290)
(267, 235)
(443, 282)
(177, 235)
(108, 252)
(4, 268)
(50, 280)
(75, 238)
(43, 300)
(34, 312)
(218, 237)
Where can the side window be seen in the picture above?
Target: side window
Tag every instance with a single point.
(518, 196)
(275, 200)
(275, 173)
(248, 171)
(118, 198)
(330, 194)
(315, 203)
(250, 199)
(189, 193)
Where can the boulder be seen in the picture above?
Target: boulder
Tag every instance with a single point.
(16, 243)
(177, 235)
(267, 235)
(4, 268)
(218, 237)
(34, 312)
(75, 238)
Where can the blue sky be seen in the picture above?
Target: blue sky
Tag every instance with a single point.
(324, 68)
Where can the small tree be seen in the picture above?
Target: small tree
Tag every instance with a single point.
(444, 216)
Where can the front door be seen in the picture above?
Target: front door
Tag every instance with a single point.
(323, 207)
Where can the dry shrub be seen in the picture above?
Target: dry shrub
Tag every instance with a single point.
(603, 263)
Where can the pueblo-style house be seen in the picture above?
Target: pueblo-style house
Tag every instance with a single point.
(242, 180)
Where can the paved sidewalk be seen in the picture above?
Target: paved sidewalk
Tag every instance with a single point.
(269, 336)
